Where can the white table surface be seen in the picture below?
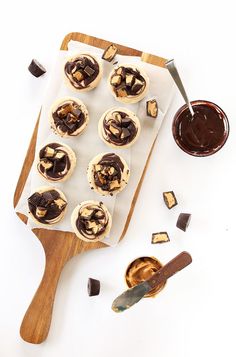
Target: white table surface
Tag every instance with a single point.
(195, 314)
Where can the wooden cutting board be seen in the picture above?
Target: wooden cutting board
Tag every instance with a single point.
(60, 246)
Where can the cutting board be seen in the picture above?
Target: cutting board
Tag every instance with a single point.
(60, 246)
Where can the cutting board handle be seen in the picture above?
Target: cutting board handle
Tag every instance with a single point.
(36, 322)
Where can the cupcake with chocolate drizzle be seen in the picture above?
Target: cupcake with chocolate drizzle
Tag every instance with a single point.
(47, 205)
(56, 162)
(128, 83)
(119, 127)
(91, 221)
(68, 117)
(82, 72)
(108, 174)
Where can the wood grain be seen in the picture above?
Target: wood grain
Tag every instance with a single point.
(60, 246)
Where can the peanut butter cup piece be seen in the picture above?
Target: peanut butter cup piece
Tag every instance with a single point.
(110, 53)
(160, 237)
(152, 108)
(93, 287)
(183, 221)
(36, 69)
(170, 199)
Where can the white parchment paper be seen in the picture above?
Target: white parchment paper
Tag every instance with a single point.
(89, 144)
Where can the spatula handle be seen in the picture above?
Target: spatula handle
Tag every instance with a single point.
(172, 267)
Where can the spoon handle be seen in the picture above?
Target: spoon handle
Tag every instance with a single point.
(170, 65)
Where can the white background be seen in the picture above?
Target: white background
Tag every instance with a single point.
(195, 314)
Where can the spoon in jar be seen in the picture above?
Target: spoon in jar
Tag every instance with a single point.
(170, 65)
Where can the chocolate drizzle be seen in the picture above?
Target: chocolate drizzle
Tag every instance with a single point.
(119, 129)
(46, 207)
(127, 81)
(92, 220)
(205, 132)
(54, 162)
(68, 117)
(108, 173)
(81, 71)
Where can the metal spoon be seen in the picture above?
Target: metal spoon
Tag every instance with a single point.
(170, 65)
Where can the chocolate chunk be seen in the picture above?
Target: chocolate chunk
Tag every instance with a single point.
(129, 80)
(48, 197)
(125, 122)
(34, 199)
(36, 68)
(170, 199)
(93, 287)
(109, 53)
(125, 133)
(160, 237)
(152, 108)
(137, 86)
(121, 91)
(116, 80)
(89, 71)
(76, 111)
(183, 221)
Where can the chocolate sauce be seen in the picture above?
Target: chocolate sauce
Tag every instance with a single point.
(205, 132)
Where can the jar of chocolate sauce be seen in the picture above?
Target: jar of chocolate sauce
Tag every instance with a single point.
(203, 134)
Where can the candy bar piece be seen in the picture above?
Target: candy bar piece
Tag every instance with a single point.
(152, 108)
(116, 80)
(109, 53)
(93, 287)
(183, 221)
(137, 86)
(36, 68)
(121, 91)
(160, 237)
(170, 199)
(89, 71)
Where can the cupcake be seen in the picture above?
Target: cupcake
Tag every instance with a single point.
(128, 83)
(56, 162)
(91, 221)
(82, 72)
(108, 174)
(68, 117)
(47, 205)
(119, 127)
